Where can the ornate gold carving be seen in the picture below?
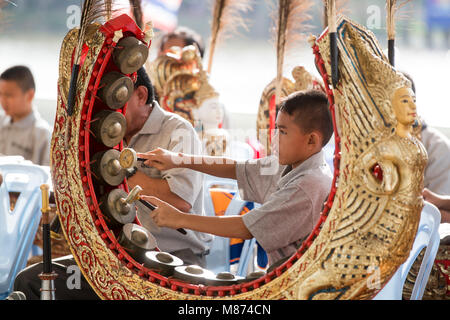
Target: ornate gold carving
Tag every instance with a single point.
(370, 227)
(180, 81)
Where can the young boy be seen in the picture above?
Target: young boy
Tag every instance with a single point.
(292, 195)
(22, 130)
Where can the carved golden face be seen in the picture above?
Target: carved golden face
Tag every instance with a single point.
(404, 104)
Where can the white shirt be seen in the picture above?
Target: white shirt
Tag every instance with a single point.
(29, 137)
(170, 131)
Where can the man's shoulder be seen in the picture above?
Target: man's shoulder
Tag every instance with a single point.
(173, 121)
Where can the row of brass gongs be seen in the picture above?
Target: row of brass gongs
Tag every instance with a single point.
(119, 210)
(108, 127)
(116, 88)
(141, 245)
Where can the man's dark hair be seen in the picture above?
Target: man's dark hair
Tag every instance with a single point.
(189, 36)
(20, 75)
(144, 80)
(408, 76)
(311, 112)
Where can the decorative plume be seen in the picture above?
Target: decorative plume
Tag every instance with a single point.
(227, 18)
(330, 9)
(392, 7)
(108, 9)
(92, 10)
(290, 23)
(340, 9)
(136, 7)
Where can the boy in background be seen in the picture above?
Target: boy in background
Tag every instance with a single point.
(23, 132)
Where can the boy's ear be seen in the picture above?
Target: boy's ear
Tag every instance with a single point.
(29, 95)
(315, 139)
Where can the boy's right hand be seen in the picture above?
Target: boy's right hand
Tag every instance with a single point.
(162, 159)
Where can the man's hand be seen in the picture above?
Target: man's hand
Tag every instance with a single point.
(162, 159)
(165, 215)
(441, 202)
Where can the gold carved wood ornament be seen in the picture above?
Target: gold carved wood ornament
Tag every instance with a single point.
(368, 223)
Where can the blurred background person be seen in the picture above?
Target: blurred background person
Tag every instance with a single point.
(23, 132)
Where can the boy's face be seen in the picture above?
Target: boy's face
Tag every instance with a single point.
(13, 100)
(292, 145)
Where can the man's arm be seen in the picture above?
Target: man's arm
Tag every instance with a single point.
(163, 159)
(158, 188)
(166, 215)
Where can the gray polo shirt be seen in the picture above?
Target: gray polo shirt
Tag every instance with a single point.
(291, 199)
(170, 131)
(29, 138)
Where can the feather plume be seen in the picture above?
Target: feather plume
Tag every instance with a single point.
(392, 8)
(290, 25)
(92, 10)
(136, 7)
(108, 9)
(341, 8)
(226, 20)
(330, 14)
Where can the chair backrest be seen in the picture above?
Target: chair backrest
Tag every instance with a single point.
(246, 257)
(18, 227)
(218, 259)
(427, 237)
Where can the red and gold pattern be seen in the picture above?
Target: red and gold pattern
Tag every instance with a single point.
(113, 274)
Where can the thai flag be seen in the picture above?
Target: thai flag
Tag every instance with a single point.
(163, 13)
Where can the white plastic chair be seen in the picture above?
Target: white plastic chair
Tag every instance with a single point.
(18, 227)
(427, 236)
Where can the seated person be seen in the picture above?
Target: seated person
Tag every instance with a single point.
(181, 37)
(148, 127)
(291, 187)
(442, 202)
(22, 130)
(437, 171)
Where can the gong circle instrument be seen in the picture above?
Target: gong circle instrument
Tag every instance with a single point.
(121, 260)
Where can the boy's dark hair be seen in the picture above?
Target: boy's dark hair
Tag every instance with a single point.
(189, 36)
(20, 75)
(144, 80)
(311, 112)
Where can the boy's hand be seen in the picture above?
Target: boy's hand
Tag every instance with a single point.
(162, 159)
(164, 215)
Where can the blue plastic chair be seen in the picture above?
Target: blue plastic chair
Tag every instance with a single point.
(18, 227)
(427, 236)
(218, 260)
(246, 256)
